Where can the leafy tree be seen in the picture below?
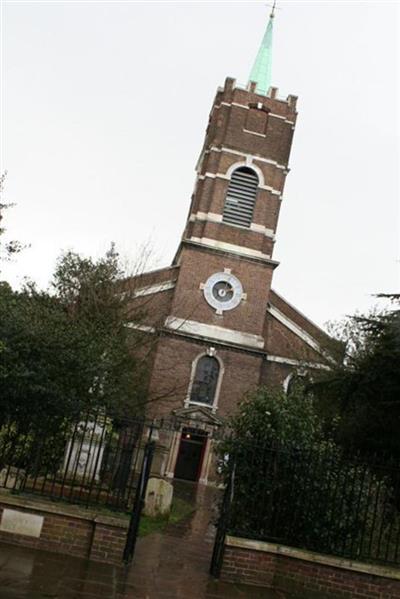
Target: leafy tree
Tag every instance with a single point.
(68, 351)
(365, 388)
(294, 485)
(42, 372)
(11, 247)
(66, 356)
(270, 416)
(89, 292)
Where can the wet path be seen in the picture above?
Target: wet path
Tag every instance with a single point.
(170, 565)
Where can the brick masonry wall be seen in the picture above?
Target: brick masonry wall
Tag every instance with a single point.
(304, 323)
(172, 370)
(306, 578)
(70, 531)
(281, 341)
(108, 544)
(228, 123)
(197, 265)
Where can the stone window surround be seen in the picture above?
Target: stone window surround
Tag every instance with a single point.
(210, 352)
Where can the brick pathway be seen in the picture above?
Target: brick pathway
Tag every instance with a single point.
(170, 565)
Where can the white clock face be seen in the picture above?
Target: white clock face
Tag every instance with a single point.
(223, 291)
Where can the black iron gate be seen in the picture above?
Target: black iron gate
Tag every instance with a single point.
(91, 460)
(138, 504)
(223, 524)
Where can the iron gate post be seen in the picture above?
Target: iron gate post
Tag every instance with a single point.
(222, 525)
(138, 504)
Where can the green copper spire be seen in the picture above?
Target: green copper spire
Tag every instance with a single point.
(261, 71)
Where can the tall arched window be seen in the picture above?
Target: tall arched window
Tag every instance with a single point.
(205, 381)
(241, 197)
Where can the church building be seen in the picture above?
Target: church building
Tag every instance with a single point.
(222, 330)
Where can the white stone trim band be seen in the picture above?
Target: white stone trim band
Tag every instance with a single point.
(223, 246)
(151, 289)
(296, 309)
(213, 217)
(293, 362)
(140, 327)
(209, 175)
(277, 116)
(246, 156)
(306, 337)
(213, 332)
(261, 229)
(254, 133)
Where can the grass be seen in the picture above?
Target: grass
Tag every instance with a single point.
(180, 509)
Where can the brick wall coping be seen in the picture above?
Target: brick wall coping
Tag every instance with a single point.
(310, 556)
(72, 511)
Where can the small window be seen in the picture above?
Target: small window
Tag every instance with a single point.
(241, 197)
(205, 381)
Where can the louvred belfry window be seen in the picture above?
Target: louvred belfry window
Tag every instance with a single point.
(205, 381)
(241, 197)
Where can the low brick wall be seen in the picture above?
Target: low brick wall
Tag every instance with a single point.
(304, 574)
(63, 529)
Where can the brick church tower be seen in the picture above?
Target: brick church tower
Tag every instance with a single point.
(222, 330)
(225, 256)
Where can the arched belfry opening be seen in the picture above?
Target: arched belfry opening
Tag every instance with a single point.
(241, 197)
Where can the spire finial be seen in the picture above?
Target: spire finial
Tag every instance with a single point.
(271, 16)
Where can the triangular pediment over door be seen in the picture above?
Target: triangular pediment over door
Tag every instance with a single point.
(198, 417)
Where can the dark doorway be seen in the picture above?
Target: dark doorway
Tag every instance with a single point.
(190, 455)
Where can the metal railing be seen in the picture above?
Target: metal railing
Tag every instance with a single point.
(92, 460)
(322, 499)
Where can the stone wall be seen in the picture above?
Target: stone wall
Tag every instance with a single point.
(63, 529)
(304, 574)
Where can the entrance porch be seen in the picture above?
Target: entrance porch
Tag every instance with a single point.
(191, 455)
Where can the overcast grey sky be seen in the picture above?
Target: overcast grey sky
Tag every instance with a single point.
(104, 108)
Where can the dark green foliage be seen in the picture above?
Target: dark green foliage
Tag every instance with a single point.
(270, 416)
(365, 389)
(88, 292)
(69, 351)
(294, 485)
(42, 370)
